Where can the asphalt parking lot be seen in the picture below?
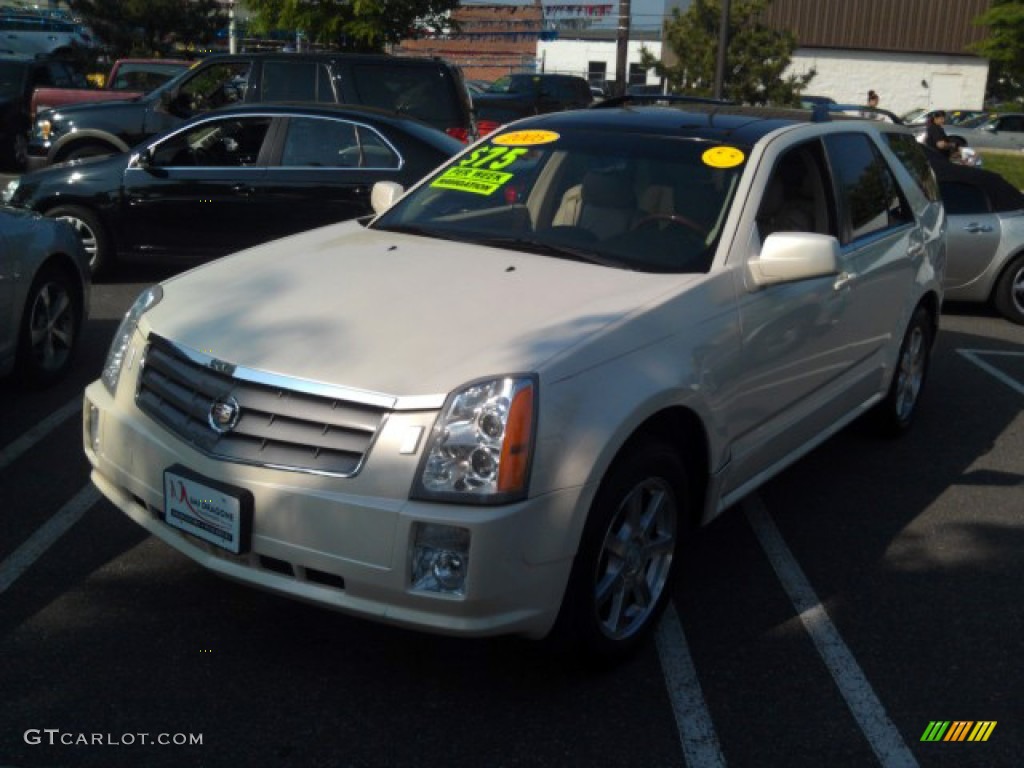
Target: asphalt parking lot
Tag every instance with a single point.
(840, 616)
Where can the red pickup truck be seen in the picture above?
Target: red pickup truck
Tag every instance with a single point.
(128, 78)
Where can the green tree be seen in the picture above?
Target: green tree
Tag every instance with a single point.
(756, 58)
(1004, 48)
(152, 27)
(364, 25)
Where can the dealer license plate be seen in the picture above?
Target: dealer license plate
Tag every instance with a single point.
(210, 510)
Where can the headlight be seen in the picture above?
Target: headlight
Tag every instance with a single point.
(47, 129)
(10, 189)
(481, 447)
(148, 299)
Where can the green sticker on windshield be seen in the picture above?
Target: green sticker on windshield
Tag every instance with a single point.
(476, 180)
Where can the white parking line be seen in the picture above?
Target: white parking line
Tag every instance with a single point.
(867, 710)
(974, 355)
(39, 431)
(696, 731)
(22, 558)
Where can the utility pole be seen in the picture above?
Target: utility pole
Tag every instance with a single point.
(622, 48)
(723, 44)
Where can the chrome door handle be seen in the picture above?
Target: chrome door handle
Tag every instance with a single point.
(974, 228)
(844, 280)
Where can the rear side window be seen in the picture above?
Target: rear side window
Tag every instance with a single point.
(426, 92)
(912, 155)
(316, 142)
(289, 81)
(870, 199)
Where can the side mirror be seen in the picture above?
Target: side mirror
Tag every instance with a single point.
(384, 195)
(144, 159)
(787, 257)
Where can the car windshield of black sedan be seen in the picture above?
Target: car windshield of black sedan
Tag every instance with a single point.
(640, 202)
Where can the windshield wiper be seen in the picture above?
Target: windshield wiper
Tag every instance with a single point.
(549, 249)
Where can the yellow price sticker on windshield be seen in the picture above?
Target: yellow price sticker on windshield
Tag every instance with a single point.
(475, 180)
(722, 157)
(525, 138)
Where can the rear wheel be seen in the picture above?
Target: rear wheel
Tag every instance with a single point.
(1008, 296)
(48, 336)
(95, 240)
(897, 411)
(620, 580)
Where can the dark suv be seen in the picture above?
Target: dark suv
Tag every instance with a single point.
(513, 96)
(19, 77)
(429, 89)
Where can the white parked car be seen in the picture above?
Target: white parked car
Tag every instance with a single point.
(500, 406)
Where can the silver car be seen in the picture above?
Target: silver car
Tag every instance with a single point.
(44, 296)
(500, 406)
(985, 246)
(1001, 131)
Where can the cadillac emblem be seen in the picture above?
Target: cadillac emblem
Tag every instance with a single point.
(224, 414)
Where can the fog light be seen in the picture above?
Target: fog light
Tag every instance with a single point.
(440, 558)
(92, 416)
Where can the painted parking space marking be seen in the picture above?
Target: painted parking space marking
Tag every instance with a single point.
(975, 356)
(13, 451)
(49, 532)
(867, 710)
(696, 731)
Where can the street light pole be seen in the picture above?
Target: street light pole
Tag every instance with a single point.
(622, 47)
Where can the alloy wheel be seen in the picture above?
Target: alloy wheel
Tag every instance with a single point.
(51, 327)
(635, 558)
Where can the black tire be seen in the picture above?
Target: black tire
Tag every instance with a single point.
(95, 239)
(620, 581)
(88, 149)
(896, 413)
(1008, 295)
(50, 327)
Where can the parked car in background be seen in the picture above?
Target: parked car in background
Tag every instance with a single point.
(44, 296)
(519, 95)
(233, 178)
(988, 131)
(985, 237)
(128, 79)
(953, 116)
(34, 34)
(487, 413)
(20, 76)
(430, 90)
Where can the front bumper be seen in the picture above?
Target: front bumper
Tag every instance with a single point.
(345, 543)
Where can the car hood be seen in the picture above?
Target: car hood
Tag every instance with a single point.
(395, 314)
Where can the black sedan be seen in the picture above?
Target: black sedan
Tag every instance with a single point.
(231, 179)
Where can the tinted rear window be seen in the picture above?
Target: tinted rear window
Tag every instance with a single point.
(427, 93)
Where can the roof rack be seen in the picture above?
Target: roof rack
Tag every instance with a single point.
(657, 98)
(868, 113)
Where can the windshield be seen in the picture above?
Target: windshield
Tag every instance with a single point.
(978, 122)
(641, 202)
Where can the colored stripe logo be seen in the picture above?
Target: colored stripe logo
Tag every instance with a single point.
(958, 730)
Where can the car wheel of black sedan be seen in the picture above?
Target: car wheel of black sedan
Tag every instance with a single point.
(50, 327)
(90, 229)
(620, 581)
(1008, 296)
(896, 412)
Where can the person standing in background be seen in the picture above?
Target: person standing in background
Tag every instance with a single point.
(935, 135)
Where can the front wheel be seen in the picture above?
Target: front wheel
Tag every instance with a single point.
(897, 411)
(1008, 296)
(620, 580)
(50, 326)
